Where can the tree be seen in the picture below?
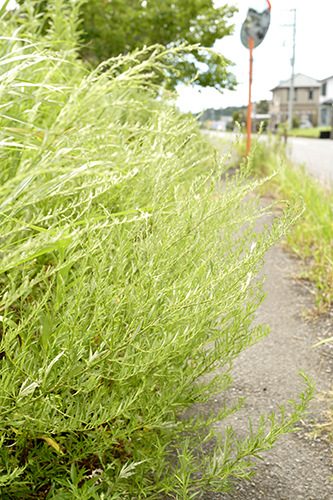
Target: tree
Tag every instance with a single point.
(240, 117)
(116, 27)
(228, 111)
(263, 107)
(113, 27)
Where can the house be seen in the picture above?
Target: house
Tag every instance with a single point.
(325, 116)
(305, 101)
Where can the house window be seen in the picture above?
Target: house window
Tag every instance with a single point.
(324, 88)
(310, 94)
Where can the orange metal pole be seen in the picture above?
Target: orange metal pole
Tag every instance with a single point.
(249, 108)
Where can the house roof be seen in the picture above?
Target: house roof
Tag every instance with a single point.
(300, 80)
(325, 79)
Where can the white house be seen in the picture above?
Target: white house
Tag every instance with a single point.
(325, 102)
(305, 101)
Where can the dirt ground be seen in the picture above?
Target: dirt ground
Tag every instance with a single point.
(299, 467)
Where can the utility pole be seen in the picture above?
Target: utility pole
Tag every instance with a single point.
(249, 107)
(291, 90)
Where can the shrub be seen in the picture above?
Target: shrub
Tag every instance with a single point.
(125, 278)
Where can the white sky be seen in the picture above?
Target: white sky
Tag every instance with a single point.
(11, 4)
(314, 57)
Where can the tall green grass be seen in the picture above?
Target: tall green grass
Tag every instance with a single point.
(125, 278)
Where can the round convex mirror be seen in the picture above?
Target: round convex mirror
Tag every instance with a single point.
(256, 23)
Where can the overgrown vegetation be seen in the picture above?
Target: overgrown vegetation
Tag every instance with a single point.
(124, 279)
(312, 236)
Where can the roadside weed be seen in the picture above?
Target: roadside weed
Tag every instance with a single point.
(125, 278)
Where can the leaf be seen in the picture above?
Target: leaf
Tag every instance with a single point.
(128, 469)
(25, 391)
(3, 8)
(52, 443)
(46, 321)
(47, 440)
(48, 369)
(323, 342)
(43, 250)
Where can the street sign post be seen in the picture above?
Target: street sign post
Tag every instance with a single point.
(253, 32)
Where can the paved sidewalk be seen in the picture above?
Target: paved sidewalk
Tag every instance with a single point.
(267, 374)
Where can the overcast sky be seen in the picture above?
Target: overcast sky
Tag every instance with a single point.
(314, 43)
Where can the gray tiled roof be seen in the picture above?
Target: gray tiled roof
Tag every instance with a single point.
(325, 79)
(300, 80)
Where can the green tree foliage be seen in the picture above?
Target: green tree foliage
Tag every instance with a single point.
(118, 26)
(239, 117)
(114, 27)
(263, 107)
(216, 114)
(230, 109)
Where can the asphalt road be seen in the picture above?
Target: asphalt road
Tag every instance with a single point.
(317, 154)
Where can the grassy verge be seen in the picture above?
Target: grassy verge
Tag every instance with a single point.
(308, 132)
(312, 236)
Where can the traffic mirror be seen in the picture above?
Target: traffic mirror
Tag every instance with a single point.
(256, 23)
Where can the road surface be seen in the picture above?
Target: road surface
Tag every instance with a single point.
(317, 154)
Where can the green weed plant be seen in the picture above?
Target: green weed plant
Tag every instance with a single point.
(125, 279)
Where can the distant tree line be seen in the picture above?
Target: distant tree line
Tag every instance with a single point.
(262, 107)
(216, 114)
